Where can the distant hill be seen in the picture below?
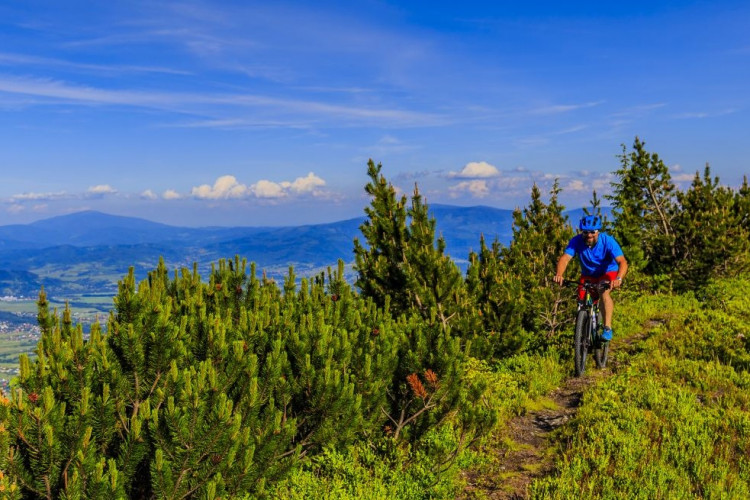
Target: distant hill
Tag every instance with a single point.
(87, 252)
(91, 228)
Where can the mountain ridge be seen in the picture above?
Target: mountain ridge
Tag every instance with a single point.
(87, 252)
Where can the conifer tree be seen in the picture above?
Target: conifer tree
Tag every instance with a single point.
(742, 205)
(541, 232)
(499, 303)
(404, 269)
(710, 238)
(402, 259)
(643, 202)
(595, 208)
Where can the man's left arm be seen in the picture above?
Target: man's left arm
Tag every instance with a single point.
(622, 270)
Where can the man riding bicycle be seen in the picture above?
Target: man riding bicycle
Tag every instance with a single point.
(601, 259)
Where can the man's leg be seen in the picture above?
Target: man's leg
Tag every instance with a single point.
(607, 305)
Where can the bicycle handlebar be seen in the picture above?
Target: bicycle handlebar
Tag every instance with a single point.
(599, 285)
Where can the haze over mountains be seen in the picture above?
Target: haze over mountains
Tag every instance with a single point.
(87, 252)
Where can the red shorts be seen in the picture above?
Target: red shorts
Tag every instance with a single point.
(610, 276)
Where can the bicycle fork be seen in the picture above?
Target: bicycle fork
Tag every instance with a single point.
(593, 321)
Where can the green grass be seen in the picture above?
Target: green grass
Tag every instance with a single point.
(19, 307)
(81, 305)
(10, 347)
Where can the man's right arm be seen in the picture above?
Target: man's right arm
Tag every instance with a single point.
(562, 265)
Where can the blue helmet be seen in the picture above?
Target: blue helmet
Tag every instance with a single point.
(590, 223)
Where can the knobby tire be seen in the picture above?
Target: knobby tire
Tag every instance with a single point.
(580, 341)
(600, 355)
(602, 349)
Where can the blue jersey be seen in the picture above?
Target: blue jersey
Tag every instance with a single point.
(597, 260)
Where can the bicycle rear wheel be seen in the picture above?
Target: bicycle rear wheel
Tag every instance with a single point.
(581, 341)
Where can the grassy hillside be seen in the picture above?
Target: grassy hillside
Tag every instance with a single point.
(675, 421)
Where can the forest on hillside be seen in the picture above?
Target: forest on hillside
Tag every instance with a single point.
(396, 385)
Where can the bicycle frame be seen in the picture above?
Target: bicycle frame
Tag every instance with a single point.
(588, 319)
(591, 304)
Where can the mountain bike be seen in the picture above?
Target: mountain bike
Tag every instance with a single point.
(587, 334)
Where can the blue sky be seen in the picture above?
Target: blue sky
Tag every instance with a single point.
(265, 113)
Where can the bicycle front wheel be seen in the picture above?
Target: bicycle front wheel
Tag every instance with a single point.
(601, 349)
(600, 355)
(581, 341)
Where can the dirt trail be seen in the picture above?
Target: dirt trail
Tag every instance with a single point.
(523, 447)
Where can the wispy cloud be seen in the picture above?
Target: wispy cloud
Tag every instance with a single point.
(221, 103)
(564, 108)
(388, 145)
(241, 123)
(638, 110)
(38, 196)
(46, 63)
(706, 114)
(476, 188)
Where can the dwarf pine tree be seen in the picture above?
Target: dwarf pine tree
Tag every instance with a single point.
(742, 205)
(217, 388)
(61, 415)
(204, 388)
(499, 303)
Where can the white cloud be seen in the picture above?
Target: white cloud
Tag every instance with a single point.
(603, 184)
(575, 185)
(225, 187)
(171, 194)
(307, 184)
(476, 188)
(14, 209)
(148, 195)
(476, 170)
(268, 189)
(683, 178)
(101, 189)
